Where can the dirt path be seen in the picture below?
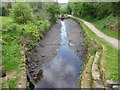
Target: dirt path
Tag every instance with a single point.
(56, 62)
(112, 41)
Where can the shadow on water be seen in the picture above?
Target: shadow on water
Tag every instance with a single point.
(64, 70)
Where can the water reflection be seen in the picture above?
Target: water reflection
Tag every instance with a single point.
(64, 70)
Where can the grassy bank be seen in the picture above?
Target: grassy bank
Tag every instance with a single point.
(10, 48)
(110, 56)
(17, 39)
(107, 25)
(110, 59)
(12, 56)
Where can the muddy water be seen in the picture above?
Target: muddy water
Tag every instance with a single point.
(64, 69)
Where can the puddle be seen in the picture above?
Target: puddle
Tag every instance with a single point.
(64, 70)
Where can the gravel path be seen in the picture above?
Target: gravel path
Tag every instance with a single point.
(112, 41)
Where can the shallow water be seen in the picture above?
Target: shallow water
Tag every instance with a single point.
(64, 70)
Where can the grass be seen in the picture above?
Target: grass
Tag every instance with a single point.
(11, 53)
(111, 59)
(13, 36)
(12, 84)
(99, 24)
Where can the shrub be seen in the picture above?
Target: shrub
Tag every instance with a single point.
(21, 12)
(12, 32)
(43, 26)
(30, 35)
(53, 9)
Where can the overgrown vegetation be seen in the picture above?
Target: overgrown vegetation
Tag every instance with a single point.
(104, 15)
(21, 12)
(108, 25)
(11, 48)
(22, 28)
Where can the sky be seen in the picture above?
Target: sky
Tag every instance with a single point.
(62, 1)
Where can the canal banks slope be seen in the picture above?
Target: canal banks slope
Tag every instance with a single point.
(107, 59)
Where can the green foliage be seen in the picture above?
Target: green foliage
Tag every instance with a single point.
(116, 8)
(12, 84)
(11, 56)
(82, 9)
(43, 26)
(0, 86)
(103, 9)
(53, 9)
(31, 28)
(111, 21)
(111, 59)
(94, 10)
(36, 6)
(45, 10)
(12, 33)
(30, 35)
(100, 14)
(21, 12)
(64, 9)
(11, 48)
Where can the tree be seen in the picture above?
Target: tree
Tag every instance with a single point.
(116, 9)
(54, 10)
(21, 12)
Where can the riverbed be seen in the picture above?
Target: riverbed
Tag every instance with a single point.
(57, 61)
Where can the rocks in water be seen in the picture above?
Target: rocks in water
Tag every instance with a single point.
(82, 44)
(57, 50)
(71, 44)
(28, 60)
(31, 70)
(77, 50)
(36, 60)
(41, 45)
(55, 53)
(32, 67)
(34, 77)
(42, 55)
(29, 65)
(35, 65)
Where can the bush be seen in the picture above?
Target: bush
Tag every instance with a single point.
(12, 32)
(53, 9)
(13, 27)
(30, 35)
(21, 12)
(43, 26)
